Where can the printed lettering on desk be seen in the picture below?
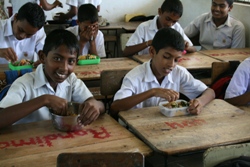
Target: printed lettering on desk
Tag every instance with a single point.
(185, 123)
(230, 54)
(43, 141)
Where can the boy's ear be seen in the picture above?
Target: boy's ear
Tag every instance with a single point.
(41, 56)
(152, 51)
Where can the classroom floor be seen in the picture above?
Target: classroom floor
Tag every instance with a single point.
(192, 160)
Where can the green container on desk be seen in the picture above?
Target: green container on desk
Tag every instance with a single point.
(89, 61)
(18, 68)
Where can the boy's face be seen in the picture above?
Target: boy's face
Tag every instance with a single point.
(164, 61)
(22, 29)
(167, 19)
(58, 64)
(85, 25)
(220, 9)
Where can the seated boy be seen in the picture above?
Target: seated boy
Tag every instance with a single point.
(238, 90)
(91, 39)
(22, 35)
(52, 85)
(168, 16)
(161, 78)
(217, 29)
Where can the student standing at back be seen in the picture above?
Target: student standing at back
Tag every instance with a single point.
(168, 16)
(22, 36)
(91, 39)
(161, 78)
(238, 90)
(218, 29)
(52, 85)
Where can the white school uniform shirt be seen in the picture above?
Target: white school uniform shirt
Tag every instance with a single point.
(141, 79)
(229, 35)
(240, 82)
(99, 40)
(17, 4)
(78, 3)
(35, 84)
(26, 48)
(147, 30)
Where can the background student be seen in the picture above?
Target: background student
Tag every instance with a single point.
(217, 29)
(73, 10)
(161, 78)
(91, 39)
(22, 36)
(238, 90)
(168, 16)
(52, 85)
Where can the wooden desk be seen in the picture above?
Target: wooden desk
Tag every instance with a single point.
(92, 72)
(218, 124)
(38, 144)
(127, 26)
(191, 61)
(228, 54)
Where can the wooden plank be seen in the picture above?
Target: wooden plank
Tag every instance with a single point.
(25, 144)
(228, 54)
(218, 124)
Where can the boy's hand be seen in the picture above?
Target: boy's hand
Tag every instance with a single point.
(9, 54)
(168, 94)
(58, 105)
(194, 106)
(89, 112)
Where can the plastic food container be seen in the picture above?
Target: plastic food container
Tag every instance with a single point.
(89, 61)
(12, 67)
(173, 112)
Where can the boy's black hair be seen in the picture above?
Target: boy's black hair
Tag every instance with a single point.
(33, 13)
(172, 6)
(60, 37)
(87, 12)
(230, 2)
(168, 37)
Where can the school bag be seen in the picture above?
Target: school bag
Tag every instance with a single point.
(222, 81)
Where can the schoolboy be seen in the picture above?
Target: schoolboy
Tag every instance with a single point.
(161, 78)
(91, 39)
(168, 16)
(238, 90)
(52, 85)
(22, 36)
(217, 29)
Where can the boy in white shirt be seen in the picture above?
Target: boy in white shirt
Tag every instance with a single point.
(91, 39)
(161, 78)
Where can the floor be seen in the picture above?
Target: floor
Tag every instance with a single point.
(192, 160)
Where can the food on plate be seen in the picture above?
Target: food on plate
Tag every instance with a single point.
(176, 104)
(22, 62)
(87, 57)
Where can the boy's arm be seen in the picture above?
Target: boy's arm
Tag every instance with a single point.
(11, 114)
(241, 100)
(134, 49)
(48, 6)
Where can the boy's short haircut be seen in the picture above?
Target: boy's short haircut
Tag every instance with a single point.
(33, 13)
(172, 6)
(87, 12)
(60, 37)
(168, 37)
(230, 2)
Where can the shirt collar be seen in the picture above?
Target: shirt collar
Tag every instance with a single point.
(8, 27)
(153, 26)
(41, 80)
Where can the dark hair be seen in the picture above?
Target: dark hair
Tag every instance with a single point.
(33, 13)
(60, 37)
(87, 12)
(174, 6)
(230, 2)
(168, 37)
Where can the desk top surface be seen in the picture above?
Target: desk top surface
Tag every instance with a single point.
(191, 61)
(228, 54)
(128, 26)
(92, 72)
(218, 124)
(38, 144)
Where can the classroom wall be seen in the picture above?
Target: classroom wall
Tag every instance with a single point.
(192, 10)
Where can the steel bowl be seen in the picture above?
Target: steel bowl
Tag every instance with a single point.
(67, 123)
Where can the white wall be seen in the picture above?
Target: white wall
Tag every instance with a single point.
(191, 11)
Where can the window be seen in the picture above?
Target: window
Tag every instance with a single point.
(243, 1)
